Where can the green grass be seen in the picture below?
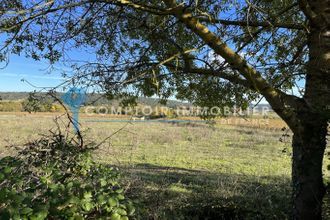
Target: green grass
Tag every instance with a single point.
(175, 169)
(190, 170)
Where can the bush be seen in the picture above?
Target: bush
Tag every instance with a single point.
(54, 178)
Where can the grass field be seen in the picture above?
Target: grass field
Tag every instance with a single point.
(184, 169)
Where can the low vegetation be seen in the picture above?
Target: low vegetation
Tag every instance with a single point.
(54, 178)
(184, 170)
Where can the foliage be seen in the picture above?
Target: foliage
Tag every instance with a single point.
(22, 106)
(54, 178)
(12, 102)
(34, 104)
(131, 44)
(13, 95)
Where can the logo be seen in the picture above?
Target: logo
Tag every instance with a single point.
(74, 98)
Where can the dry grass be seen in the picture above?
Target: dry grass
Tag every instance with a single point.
(184, 169)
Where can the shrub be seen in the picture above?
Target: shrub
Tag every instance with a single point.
(54, 178)
(57, 108)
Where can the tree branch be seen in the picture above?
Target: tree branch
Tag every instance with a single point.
(209, 72)
(271, 21)
(316, 18)
(252, 23)
(278, 99)
(138, 6)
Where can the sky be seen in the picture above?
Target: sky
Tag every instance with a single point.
(35, 72)
(21, 72)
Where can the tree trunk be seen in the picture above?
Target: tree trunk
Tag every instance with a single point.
(308, 151)
(309, 140)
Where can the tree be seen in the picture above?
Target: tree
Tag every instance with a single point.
(173, 47)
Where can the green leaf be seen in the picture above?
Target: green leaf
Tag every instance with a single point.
(53, 186)
(101, 199)
(103, 182)
(2, 177)
(87, 206)
(41, 215)
(78, 217)
(7, 170)
(26, 211)
(69, 185)
(119, 191)
(121, 197)
(130, 209)
(112, 202)
(115, 216)
(88, 195)
(16, 217)
(74, 200)
(121, 211)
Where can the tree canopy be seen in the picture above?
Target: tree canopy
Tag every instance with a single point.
(212, 53)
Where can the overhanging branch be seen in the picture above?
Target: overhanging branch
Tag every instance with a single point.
(281, 102)
(209, 72)
(253, 23)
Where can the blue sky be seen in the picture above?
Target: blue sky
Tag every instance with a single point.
(36, 72)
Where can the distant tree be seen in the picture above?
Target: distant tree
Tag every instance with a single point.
(213, 53)
(32, 104)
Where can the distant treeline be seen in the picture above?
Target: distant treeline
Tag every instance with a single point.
(41, 102)
(25, 106)
(92, 99)
(48, 106)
